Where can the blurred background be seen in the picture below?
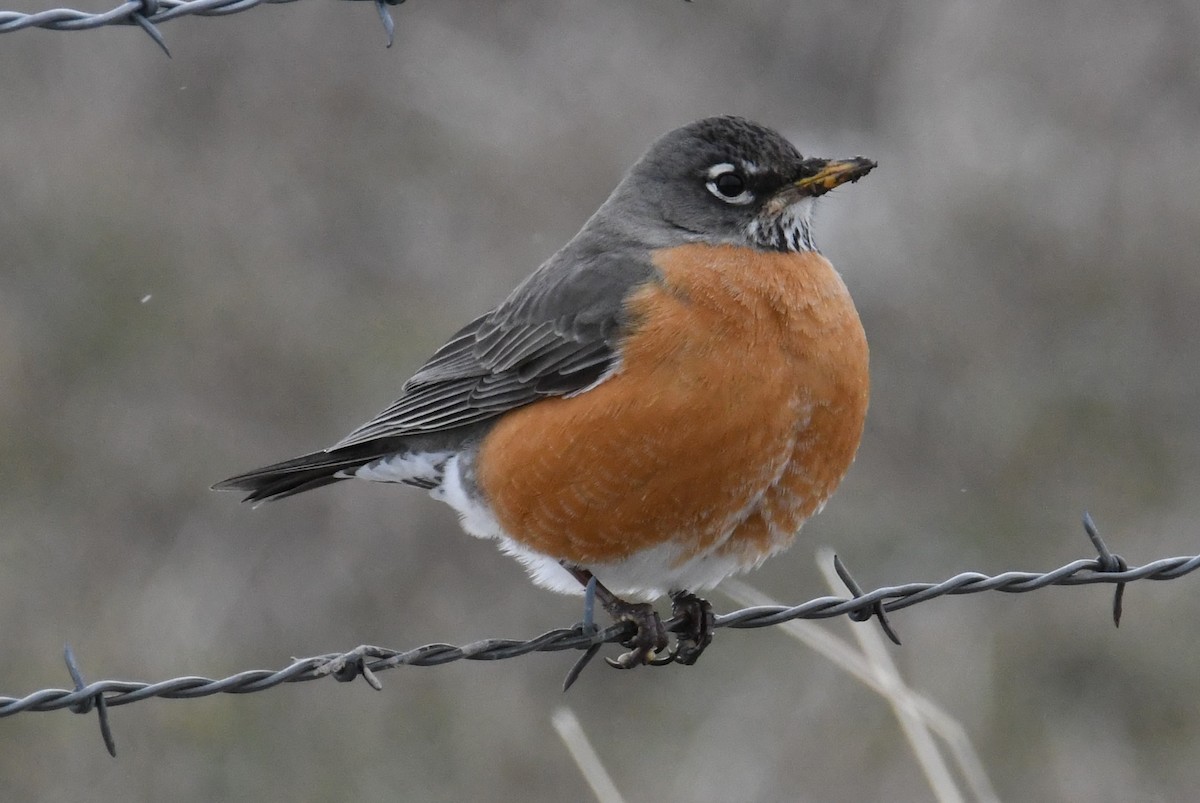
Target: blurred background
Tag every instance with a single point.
(237, 255)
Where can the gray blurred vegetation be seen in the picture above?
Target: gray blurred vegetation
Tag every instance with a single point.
(239, 254)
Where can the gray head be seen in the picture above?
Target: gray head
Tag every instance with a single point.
(726, 179)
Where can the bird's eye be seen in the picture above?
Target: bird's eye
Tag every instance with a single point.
(730, 184)
(725, 182)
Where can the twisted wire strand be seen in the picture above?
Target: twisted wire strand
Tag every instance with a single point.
(147, 14)
(366, 660)
(154, 11)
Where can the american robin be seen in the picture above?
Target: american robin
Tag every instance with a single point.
(661, 404)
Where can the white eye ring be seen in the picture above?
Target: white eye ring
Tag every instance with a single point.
(716, 172)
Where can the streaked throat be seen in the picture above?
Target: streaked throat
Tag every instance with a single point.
(784, 229)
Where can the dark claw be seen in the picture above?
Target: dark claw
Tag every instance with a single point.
(697, 629)
(650, 638)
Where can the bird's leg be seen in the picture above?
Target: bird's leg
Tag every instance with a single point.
(697, 628)
(651, 636)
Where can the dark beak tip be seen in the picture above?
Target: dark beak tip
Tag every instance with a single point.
(862, 166)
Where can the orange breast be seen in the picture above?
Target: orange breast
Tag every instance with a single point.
(737, 408)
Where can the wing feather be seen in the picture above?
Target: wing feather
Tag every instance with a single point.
(557, 334)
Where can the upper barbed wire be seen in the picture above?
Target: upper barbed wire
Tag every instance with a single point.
(154, 11)
(147, 14)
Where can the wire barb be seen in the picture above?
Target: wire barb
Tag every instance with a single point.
(589, 652)
(1108, 562)
(588, 626)
(84, 706)
(367, 660)
(141, 18)
(864, 614)
(385, 17)
(348, 666)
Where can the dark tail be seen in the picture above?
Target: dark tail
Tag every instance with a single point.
(304, 473)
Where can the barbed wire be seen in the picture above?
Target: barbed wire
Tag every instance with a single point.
(147, 14)
(367, 660)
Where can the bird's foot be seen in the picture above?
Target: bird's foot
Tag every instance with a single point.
(694, 624)
(695, 632)
(650, 638)
(647, 642)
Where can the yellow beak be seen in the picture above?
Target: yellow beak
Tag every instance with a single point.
(827, 174)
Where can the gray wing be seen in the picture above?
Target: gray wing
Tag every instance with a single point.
(556, 334)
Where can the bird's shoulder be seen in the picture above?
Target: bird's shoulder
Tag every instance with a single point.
(556, 334)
